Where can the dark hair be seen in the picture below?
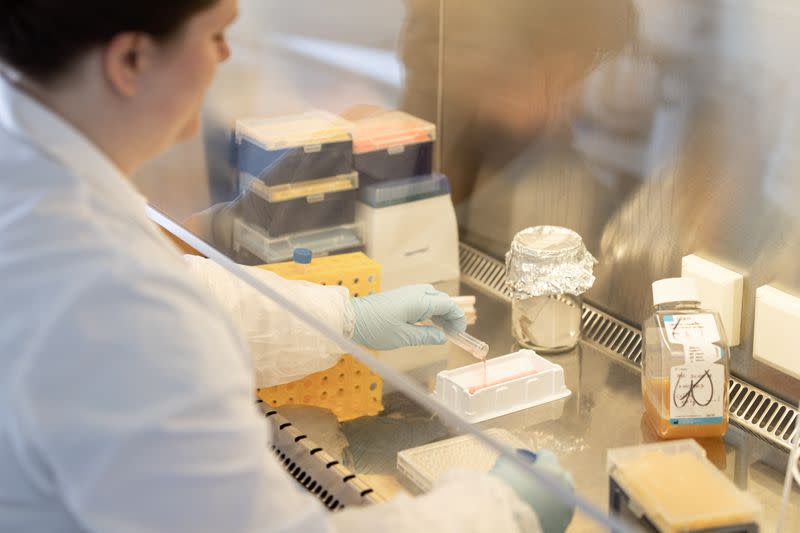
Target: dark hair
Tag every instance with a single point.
(44, 38)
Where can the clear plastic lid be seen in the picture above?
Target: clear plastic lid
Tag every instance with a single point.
(389, 130)
(393, 192)
(321, 242)
(678, 488)
(307, 129)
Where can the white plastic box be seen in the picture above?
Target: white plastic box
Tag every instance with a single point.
(410, 228)
(513, 382)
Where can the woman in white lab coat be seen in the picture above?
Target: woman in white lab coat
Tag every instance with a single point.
(126, 378)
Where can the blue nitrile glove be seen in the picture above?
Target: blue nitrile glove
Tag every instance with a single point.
(554, 514)
(387, 320)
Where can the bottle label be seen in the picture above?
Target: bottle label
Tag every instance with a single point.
(702, 353)
(693, 330)
(696, 394)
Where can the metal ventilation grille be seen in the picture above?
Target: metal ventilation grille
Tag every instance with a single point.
(611, 334)
(749, 407)
(486, 272)
(312, 467)
(761, 414)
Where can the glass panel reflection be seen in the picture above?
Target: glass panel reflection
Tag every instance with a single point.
(654, 129)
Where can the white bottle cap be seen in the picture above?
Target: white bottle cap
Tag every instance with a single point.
(675, 290)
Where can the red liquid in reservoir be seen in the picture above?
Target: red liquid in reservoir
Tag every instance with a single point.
(474, 389)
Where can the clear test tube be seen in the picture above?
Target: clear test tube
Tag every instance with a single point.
(464, 340)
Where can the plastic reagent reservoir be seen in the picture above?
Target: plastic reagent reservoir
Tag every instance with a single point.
(501, 385)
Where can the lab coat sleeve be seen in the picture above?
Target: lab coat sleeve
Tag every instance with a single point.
(136, 413)
(462, 502)
(282, 346)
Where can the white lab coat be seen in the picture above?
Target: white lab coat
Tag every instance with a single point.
(126, 390)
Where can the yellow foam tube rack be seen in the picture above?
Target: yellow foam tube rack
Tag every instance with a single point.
(349, 388)
(360, 274)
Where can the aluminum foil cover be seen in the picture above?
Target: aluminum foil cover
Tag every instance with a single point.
(546, 260)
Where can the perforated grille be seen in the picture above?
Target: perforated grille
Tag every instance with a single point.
(762, 414)
(749, 407)
(487, 273)
(612, 334)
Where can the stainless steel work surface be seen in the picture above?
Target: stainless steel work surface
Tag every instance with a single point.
(603, 412)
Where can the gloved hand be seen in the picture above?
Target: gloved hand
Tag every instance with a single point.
(554, 514)
(387, 320)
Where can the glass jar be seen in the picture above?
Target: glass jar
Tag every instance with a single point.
(547, 324)
(547, 270)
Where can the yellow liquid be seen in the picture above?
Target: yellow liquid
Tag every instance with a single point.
(658, 416)
(682, 492)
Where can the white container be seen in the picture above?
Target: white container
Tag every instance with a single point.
(511, 383)
(424, 465)
(416, 242)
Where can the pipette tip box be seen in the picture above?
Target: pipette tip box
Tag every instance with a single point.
(387, 193)
(324, 210)
(512, 382)
(671, 487)
(321, 242)
(293, 148)
(393, 145)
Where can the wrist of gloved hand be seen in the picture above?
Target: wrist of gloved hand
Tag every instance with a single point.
(389, 320)
(553, 512)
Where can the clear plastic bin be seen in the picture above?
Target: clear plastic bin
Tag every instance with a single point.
(501, 385)
(385, 193)
(672, 487)
(293, 148)
(300, 207)
(393, 145)
(327, 241)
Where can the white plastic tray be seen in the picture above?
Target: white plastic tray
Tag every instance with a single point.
(513, 382)
(424, 465)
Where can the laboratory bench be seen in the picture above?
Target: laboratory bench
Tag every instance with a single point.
(604, 411)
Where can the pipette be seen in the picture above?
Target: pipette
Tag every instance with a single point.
(464, 340)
